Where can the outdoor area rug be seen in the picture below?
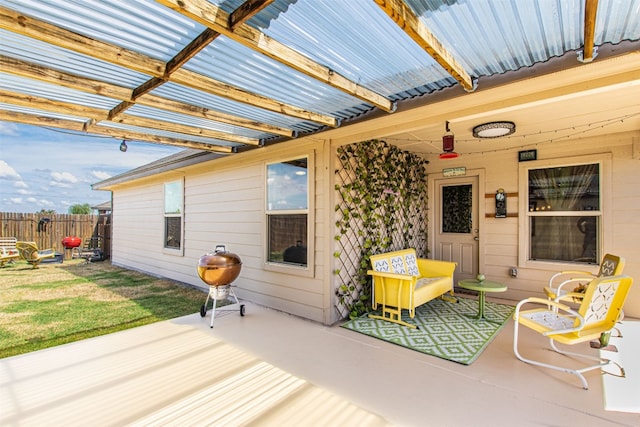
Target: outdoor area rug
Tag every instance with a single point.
(444, 329)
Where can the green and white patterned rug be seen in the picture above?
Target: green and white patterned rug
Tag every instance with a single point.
(444, 329)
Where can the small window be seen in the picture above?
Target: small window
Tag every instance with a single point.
(565, 213)
(173, 202)
(287, 212)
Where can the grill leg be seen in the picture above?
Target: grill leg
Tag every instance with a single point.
(213, 312)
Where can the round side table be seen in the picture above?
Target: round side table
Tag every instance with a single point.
(482, 288)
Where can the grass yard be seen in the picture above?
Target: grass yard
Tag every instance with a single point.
(61, 303)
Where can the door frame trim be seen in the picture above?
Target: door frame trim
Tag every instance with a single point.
(482, 207)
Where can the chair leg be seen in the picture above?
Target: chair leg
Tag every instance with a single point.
(576, 372)
(602, 362)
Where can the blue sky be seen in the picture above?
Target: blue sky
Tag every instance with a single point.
(46, 168)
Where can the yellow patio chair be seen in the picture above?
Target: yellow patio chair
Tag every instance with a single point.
(611, 265)
(30, 253)
(598, 313)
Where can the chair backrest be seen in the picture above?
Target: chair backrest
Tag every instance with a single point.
(611, 265)
(603, 302)
(28, 250)
(8, 245)
(399, 262)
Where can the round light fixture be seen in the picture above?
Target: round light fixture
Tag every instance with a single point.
(494, 129)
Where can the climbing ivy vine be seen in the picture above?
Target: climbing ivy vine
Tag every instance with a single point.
(382, 206)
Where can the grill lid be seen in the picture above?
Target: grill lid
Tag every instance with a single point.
(219, 258)
(219, 267)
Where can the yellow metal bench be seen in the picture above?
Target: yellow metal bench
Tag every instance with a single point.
(402, 281)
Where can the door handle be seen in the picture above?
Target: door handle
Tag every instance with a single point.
(476, 238)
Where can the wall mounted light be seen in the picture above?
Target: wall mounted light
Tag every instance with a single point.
(123, 146)
(494, 129)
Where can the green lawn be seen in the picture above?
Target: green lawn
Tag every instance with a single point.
(61, 303)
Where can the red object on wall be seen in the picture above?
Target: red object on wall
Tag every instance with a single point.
(70, 242)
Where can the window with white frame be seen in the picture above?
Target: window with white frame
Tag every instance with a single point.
(565, 212)
(287, 212)
(173, 219)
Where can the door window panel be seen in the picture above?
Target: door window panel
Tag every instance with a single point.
(457, 213)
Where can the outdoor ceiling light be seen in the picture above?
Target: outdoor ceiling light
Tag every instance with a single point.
(494, 129)
(123, 146)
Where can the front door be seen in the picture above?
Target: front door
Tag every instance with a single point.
(456, 224)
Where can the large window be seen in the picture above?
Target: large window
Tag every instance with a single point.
(565, 213)
(287, 212)
(173, 201)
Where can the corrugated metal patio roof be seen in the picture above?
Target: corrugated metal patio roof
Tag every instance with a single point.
(182, 73)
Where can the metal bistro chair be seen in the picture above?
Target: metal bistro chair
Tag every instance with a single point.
(611, 265)
(598, 313)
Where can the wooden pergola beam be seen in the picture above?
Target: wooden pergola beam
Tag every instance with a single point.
(86, 127)
(419, 33)
(590, 12)
(34, 28)
(97, 115)
(131, 120)
(245, 11)
(217, 19)
(35, 71)
(188, 52)
(44, 104)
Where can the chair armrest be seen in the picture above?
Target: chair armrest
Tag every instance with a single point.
(571, 296)
(583, 275)
(572, 280)
(435, 268)
(390, 275)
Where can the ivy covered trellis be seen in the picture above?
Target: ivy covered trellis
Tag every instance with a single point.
(381, 206)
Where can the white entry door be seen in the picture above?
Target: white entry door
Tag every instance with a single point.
(456, 224)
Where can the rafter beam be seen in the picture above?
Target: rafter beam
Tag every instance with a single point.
(590, 12)
(34, 28)
(60, 78)
(217, 19)
(78, 126)
(188, 52)
(97, 114)
(196, 45)
(419, 33)
(44, 104)
(131, 120)
(245, 11)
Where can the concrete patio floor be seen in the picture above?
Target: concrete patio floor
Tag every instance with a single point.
(273, 369)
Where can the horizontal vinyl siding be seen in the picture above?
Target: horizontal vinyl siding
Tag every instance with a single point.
(626, 217)
(224, 204)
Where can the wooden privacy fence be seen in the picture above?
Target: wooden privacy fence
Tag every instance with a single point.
(49, 230)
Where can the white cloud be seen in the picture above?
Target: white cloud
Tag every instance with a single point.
(16, 200)
(59, 184)
(20, 184)
(101, 175)
(23, 191)
(10, 129)
(64, 177)
(7, 172)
